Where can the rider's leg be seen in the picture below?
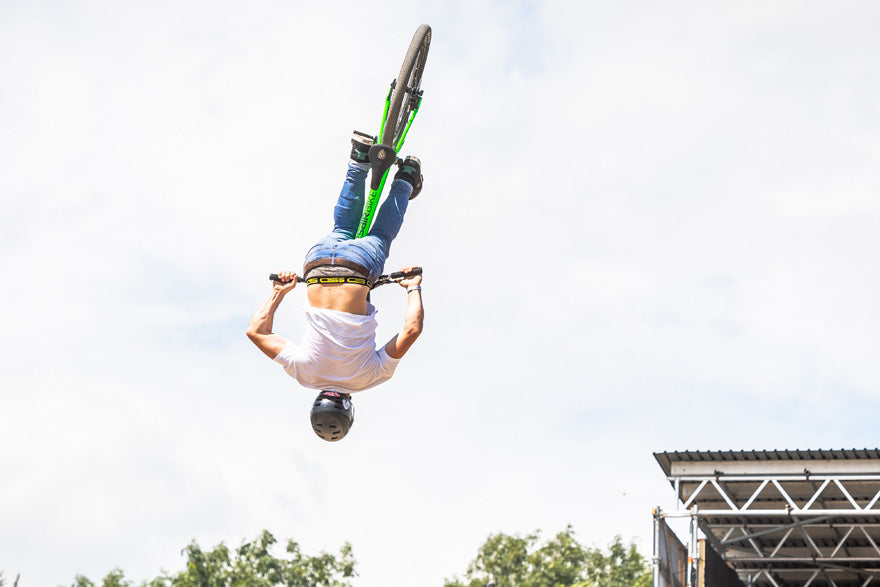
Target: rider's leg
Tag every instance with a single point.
(346, 214)
(407, 183)
(350, 205)
(387, 225)
(371, 250)
(389, 218)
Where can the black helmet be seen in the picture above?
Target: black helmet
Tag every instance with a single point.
(332, 415)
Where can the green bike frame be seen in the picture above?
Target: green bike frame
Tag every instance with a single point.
(372, 199)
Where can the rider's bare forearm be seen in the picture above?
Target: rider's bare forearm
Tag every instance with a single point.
(412, 327)
(415, 314)
(262, 321)
(260, 328)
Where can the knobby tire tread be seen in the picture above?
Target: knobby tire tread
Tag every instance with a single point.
(415, 58)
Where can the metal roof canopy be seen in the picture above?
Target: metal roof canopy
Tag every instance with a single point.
(784, 517)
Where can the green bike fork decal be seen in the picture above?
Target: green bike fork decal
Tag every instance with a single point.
(370, 209)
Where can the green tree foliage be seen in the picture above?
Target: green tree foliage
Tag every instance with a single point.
(620, 566)
(114, 578)
(515, 561)
(250, 565)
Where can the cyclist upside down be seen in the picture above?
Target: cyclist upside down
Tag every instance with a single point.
(338, 353)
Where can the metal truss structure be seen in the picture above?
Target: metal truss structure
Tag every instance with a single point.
(782, 518)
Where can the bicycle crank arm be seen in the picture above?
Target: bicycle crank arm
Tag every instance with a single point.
(382, 157)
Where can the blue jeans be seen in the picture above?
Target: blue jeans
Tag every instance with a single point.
(372, 250)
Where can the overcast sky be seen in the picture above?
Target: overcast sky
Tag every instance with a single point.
(645, 226)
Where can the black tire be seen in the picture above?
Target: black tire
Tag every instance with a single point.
(408, 82)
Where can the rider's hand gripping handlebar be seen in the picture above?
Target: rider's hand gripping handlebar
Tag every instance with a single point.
(274, 277)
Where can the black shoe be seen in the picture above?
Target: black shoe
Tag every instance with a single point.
(360, 147)
(411, 172)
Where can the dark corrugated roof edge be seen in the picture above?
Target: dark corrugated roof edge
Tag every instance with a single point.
(665, 459)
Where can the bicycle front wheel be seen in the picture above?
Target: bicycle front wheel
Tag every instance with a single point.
(407, 94)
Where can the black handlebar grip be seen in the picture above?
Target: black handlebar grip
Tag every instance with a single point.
(274, 277)
(402, 274)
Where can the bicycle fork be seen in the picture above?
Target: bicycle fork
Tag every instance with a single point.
(382, 157)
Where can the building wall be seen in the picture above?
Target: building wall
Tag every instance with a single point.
(713, 571)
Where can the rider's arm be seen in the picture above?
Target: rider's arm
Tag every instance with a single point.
(412, 324)
(260, 328)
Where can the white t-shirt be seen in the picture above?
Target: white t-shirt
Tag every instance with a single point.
(338, 352)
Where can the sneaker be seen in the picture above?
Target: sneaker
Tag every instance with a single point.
(411, 172)
(360, 147)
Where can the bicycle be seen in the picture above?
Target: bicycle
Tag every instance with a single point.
(402, 104)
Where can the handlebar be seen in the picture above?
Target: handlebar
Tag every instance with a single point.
(383, 279)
